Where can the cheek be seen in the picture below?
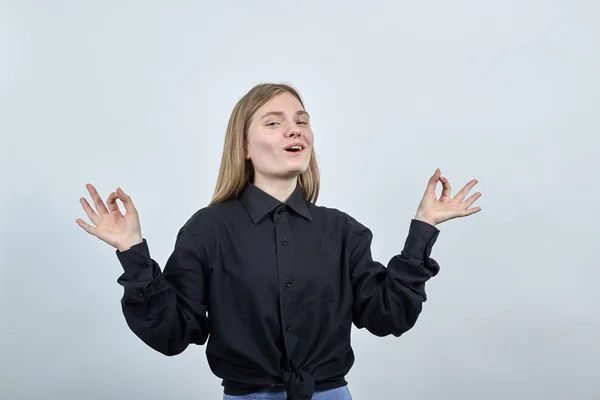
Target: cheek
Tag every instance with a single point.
(309, 138)
(260, 151)
(268, 149)
(308, 134)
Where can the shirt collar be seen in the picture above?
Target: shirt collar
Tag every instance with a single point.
(259, 203)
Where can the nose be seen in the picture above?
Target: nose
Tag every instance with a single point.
(294, 132)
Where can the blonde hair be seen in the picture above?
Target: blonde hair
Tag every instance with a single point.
(235, 170)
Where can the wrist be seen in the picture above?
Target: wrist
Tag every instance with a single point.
(424, 219)
(129, 244)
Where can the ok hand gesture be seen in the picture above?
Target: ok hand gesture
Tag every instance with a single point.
(435, 211)
(110, 225)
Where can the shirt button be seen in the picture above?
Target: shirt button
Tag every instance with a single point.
(288, 284)
(284, 242)
(288, 328)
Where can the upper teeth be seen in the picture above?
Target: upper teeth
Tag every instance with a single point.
(296, 147)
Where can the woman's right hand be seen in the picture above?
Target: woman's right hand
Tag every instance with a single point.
(111, 226)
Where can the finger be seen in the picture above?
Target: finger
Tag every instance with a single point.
(472, 199)
(446, 188)
(86, 227)
(432, 183)
(463, 192)
(89, 211)
(127, 202)
(471, 211)
(113, 207)
(97, 200)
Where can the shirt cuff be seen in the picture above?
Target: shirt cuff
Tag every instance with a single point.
(136, 262)
(420, 240)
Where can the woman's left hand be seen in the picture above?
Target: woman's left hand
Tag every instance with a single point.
(435, 211)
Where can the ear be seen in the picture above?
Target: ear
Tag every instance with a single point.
(245, 145)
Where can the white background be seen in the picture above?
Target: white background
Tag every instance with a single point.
(137, 94)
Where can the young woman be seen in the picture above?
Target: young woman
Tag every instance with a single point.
(269, 279)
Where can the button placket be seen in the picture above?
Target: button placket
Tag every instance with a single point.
(284, 264)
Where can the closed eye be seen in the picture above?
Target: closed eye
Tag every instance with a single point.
(299, 122)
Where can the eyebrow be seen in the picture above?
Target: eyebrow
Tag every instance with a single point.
(280, 113)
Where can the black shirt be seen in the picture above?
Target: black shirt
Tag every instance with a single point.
(275, 288)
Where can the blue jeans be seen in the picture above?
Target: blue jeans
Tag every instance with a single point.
(277, 393)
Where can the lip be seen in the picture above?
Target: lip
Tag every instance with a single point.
(294, 153)
(302, 146)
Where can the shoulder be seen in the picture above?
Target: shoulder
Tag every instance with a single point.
(211, 217)
(335, 217)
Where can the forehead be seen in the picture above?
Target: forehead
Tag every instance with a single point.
(282, 102)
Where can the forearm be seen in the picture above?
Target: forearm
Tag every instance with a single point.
(389, 300)
(164, 321)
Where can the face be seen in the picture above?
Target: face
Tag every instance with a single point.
(280, 139)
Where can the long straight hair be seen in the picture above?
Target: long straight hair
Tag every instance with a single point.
(235, 170)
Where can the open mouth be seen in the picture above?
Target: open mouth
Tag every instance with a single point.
(294, 149)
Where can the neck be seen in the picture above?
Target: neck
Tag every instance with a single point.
(281, 189)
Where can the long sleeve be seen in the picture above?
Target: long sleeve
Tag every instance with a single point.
(167, 310)
(389, 300)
